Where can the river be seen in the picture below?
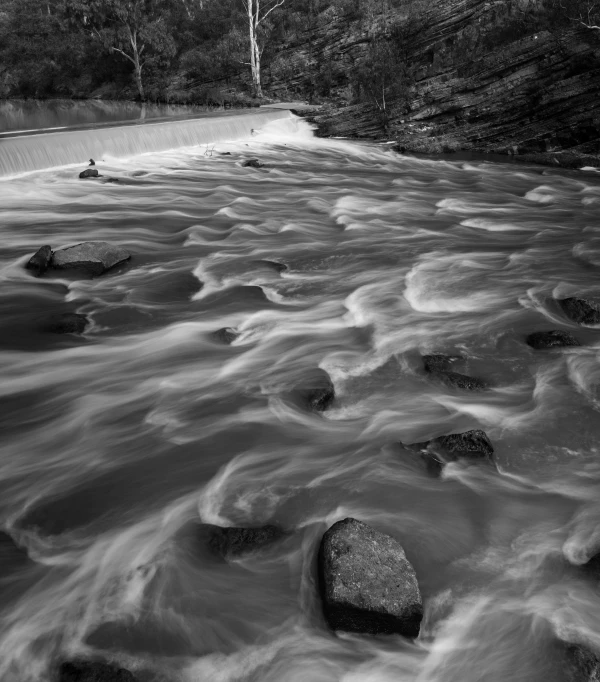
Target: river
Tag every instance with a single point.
(117, 443)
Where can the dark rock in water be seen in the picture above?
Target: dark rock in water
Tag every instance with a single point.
(225, 153)
(438, 366)
(93, 671)
(93, 257)
(366, 582)
(68, 323)
(318, 390)
(234, 542)
(40, 260)
(580, 310)
(438, 362)
(473, 443)
(552, 339)
(279, 267)
(583, 665)
(90, 173)
(92, 162)
(225, 335)
(252, 163)
(467, 445)
(110, 180)
(456, 380)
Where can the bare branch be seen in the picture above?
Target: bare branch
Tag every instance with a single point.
(131, 59)
(278, 4)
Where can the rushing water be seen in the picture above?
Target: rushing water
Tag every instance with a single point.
(25, 153)
(114, 444)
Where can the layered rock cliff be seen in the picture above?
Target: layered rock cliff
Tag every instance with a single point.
(485, 75)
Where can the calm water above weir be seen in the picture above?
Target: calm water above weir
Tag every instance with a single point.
(31, 114)
(116, 443)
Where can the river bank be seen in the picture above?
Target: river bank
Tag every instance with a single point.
(361, 122)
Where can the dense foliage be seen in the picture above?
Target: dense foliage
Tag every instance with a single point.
(198, 51)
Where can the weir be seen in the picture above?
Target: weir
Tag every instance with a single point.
(32, 152)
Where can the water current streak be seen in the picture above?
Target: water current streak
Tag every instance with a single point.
(116, 443)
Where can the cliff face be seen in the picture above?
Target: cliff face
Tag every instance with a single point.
(482, 79)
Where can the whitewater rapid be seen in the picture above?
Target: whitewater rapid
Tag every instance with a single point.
(114, 444)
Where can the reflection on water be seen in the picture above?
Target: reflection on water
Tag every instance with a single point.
(20, 115)
(116, 443)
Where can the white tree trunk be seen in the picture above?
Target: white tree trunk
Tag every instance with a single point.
(253, 8)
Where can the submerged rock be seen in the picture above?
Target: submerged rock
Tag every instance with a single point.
(234, 542)
(93, 671)
(93, 257)
(279, 267)
(437, 362)
(456, 380)
(583, 665)
(89, 173)
(318, 391)
(40, 260)
(439, 366)
(367, 584)
(67, 323)
(225, 335)
(581, 310)
(473, 444)
(252, 163)
(552, 339)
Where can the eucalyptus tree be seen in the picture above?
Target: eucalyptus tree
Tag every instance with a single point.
(257, 13)
(138, 30)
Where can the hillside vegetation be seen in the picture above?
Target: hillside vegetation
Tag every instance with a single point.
(510, 76)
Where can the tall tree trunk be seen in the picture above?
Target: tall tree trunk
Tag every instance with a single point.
(253, 9)
(137, 64)
(138, 76)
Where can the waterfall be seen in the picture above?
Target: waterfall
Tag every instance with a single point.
(26, 153)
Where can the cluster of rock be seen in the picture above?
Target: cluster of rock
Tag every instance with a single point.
(580, 310)
(476, 444)
(366, 585)
(93, 258)
(88, 258)
(92, 173)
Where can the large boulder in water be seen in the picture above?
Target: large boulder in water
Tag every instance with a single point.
(366, 582)
(317, 390)
(580, 310)
(92, 257)
(472, 445)
(230, 542)
(252, 163)
(93, 671)
(552, 339)
(583, 665)
(40, 260)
